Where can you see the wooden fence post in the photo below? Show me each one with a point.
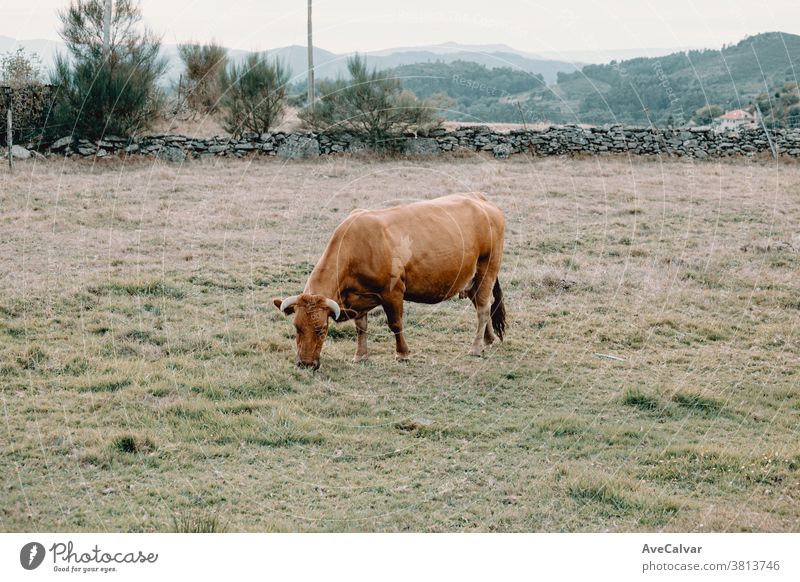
(10, 131)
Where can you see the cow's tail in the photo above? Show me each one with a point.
(498, 310)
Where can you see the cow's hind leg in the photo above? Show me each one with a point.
(361, 346)
(482, 307)
(394, 316)
(488, 335)
(482, 297)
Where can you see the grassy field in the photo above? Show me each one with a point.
(650, 379)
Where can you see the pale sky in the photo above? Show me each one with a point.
(348, 25)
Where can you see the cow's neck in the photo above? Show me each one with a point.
(323, 282)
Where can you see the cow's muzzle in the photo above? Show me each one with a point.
(313, 364)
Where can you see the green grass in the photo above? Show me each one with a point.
(697, 402)
(140, 288)
(111, 385)
(198, 524)
(637, 398)
(149, 384)
(131, 444)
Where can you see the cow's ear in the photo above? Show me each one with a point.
(346, 314)
(277, 302)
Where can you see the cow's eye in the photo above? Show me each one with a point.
(320, 332)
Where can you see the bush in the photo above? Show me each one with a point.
(22, 72)
(19, 69)
(371, 104)
(253, 94)
(113, 93)
(203, 64)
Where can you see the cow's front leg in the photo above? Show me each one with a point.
(394, 315)
(361, 346)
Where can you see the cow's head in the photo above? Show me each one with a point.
(311, 313)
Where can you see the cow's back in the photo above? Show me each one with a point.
(429, 249)
(434, 246)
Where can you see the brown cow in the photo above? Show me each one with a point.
(424, 252)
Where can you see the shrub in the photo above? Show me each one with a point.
(22, 72)
(19, 69)
(203, 64)
(371, 104)
(106, 92)
(253, 94)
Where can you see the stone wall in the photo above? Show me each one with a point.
(557, 140)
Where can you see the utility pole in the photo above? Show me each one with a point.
(107, 27)
(310, 61)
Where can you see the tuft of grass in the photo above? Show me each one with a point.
(271, 384)
(555, 284)
(608, 494)
(282, 431)
(232, 285)
(697, 402)
(16, 332)
(614, 498)
(342, 332)
(206, 523)
(145, 288)
(638, 399)
(693, 465)
(76, 367)
(33, 358)
(131, 444)
(143, 336)
(108, 385)
(703, 279)
(790, 303)
(560, 426)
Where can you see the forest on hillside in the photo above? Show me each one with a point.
(670, 90)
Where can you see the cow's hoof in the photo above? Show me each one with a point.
(402, 357)
(360, 358)
(476, 352)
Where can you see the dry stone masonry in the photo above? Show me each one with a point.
(554, 141)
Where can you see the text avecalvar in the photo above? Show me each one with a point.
(671, 549)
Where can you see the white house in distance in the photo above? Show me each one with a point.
(735, 119)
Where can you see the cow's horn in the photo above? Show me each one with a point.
(333, 307)
(288, 302)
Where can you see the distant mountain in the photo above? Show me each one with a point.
(452, 47)
(606, 56)
(330, 65)
(673, 87)
(548, 69)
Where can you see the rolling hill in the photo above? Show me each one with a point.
(645, 90)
